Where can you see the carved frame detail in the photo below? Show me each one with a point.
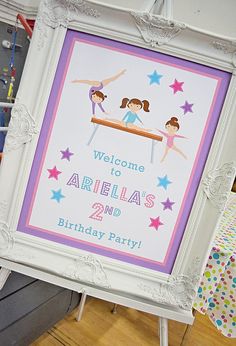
(178, 291)
(55, 13)
(87, 269)
(6, 238)
(224, 46)
(22, 128)
(157, 30)
(217, 184)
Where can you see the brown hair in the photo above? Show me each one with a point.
(126, 102)
(173, 122)
(99, 94)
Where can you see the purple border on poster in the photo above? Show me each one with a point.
(44, 135)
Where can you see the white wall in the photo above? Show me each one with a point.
(217, 16)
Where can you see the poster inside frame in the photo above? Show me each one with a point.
(124, 161)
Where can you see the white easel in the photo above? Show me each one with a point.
(4, 273)
(163, 312)
(163, 322)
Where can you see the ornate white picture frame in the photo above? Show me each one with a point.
(85, 182)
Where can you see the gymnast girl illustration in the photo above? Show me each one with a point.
(172, 126)
(96, 96)
(134, 105)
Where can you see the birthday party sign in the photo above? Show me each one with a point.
(118, 160)
(122, 148)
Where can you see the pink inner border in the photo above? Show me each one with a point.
(52, 124)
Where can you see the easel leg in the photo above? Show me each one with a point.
(81, 306)
(4, 273)
(187, 331)
(114, 309)
(93, 134)
(163, 331)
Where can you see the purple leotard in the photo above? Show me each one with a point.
(91, 91)
(170, 139)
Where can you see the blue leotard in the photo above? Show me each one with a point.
(130, 118)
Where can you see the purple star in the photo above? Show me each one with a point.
(187, 107)
(66, 154)
(167, 204)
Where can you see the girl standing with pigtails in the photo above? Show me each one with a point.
(135, 105)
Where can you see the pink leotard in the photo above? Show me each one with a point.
(170, 139)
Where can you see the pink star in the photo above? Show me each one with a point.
(176, 86)
(53, 173)
(156, 223)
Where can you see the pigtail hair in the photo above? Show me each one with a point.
(124, 102)
(145, 106)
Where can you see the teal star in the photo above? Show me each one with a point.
(155, 77)
(164, 182)
(57, 195)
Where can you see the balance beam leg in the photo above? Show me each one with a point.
(93, 134)
(152, 150)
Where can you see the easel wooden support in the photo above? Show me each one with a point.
(164, 313)
(4, 274)
(81, 306)
(163, 322)
(162, 330)
(163, 325)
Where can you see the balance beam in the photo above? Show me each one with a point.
(126, 129)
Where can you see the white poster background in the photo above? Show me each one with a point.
(72, 129)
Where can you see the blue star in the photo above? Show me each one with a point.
(155, 77)
(57, 195)
(164, 182)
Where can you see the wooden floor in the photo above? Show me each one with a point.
(128, 327)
